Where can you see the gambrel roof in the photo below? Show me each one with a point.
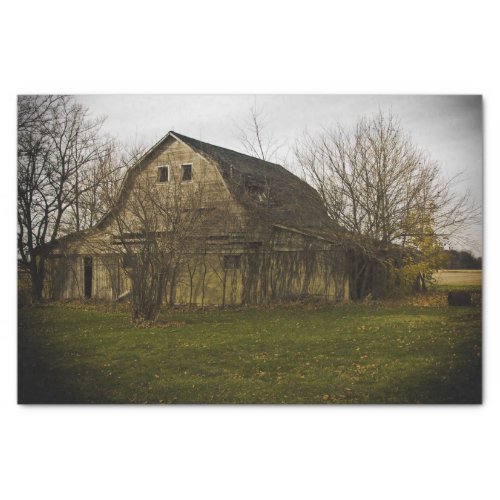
(271, 194)
(265, 188)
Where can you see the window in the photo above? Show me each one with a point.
(232, 261)
(187, 172)
(162, 173)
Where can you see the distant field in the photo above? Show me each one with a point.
(459, 277)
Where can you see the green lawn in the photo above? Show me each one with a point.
(413, 352)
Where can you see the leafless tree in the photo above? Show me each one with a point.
(154, 232)
(102, 181)
(57, 146)
(389, 195)
(375, 182)
(254, 135)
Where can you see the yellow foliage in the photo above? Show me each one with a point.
(425, 250)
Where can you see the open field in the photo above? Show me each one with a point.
(413, 351)
(458, 277)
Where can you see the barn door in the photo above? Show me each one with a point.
(87, 277)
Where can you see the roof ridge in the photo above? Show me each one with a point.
(182, 136)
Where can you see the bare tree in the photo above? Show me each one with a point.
(377, 184)
(154, 233)
(102, 181)
(255, 137)
(57, 145)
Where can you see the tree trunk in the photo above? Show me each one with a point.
(420, 285)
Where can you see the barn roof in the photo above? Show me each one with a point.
(271, 194)
(267, 189)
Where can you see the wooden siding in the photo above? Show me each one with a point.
(276, 264)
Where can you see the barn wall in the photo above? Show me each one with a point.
(204, 281)
(207, 189)
(63, 279)
(286, 266)
(263, 277)
(206, 176)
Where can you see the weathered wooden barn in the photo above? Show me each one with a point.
(260, 233)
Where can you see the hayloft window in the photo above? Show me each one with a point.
(162, 173)
(187, 172)
(232, 261)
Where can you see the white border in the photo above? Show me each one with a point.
(258, 452)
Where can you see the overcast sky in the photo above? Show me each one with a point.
(449, 128)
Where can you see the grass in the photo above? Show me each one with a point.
(416, 351)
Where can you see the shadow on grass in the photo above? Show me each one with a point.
(43, 382)
(81, 357)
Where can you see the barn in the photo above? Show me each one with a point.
(221, 227)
